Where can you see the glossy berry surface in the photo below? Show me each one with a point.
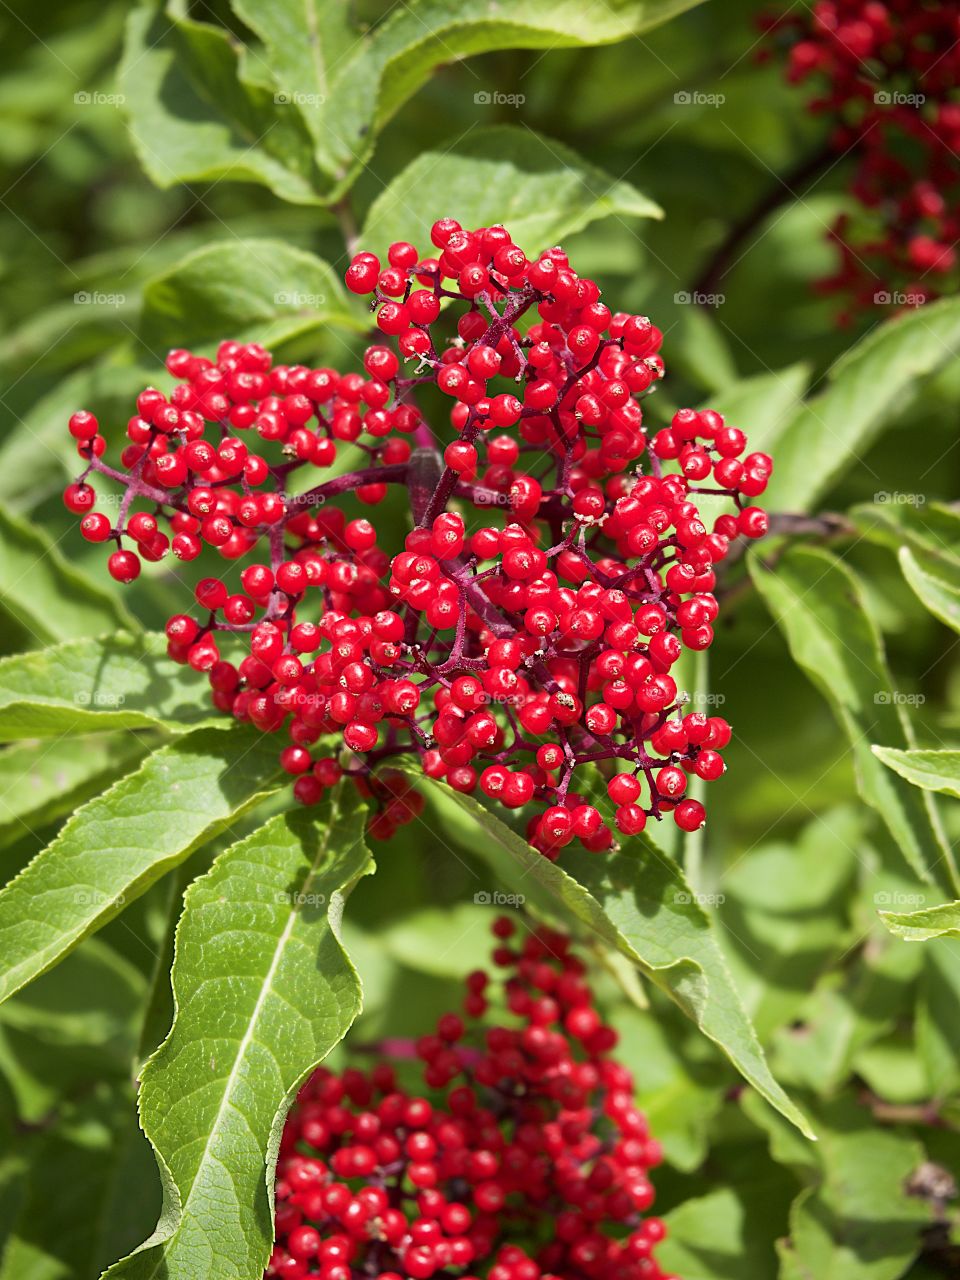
(884, 74)
(520, 642)
(520, 1155)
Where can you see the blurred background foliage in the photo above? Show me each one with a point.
(862, 1027)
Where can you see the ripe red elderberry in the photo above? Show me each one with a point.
(886, 73)
(522, 1157)
(521, 641)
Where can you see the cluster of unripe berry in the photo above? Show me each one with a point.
(887, 74)
(523, 1157)
(557, 564)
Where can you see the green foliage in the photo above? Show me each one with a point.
(263, 991)
(498, 175)
(792, 970)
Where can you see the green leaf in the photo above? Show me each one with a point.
(50, 598)
(89, 1193)
(784, 916)
(726, 1234)
(937, 1027)
(860, 1223)
(931, 770)
(195, 117)
(116, 846)
(83, 686)
(496, 175)
(42, 781)
(918, 926)
(936, 583)
(202, 108)
(933, 527)
(638, 902)
(828, 436)
(819, 606)
(763, 404)
(263, 991)
(37, 455)
(244, 289)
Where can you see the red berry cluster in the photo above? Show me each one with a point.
(889, 74)
(529, 1158)
(523, 636)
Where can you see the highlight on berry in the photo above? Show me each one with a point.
(520, 1151)
(523, 642)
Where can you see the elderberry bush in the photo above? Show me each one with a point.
(416, 574)
(505, 654)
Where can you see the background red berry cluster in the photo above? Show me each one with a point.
(523, 1153)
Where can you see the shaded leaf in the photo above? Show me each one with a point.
(829, 435)
(195, 117)
(246, 290)
(931, 770)
(497, 175)
(638, 902)
(933, 527)
(860, 1223)
(263, 991)
(42, 781)
(936, 583)
(117, 845)
(50, 598)
(83, 686)
(918, 926)
(819, 606)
